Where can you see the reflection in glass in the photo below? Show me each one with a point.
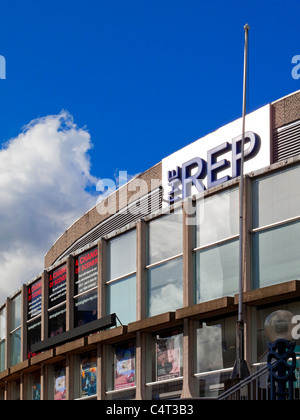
(261, 339)
(276, 197)
(15, 313)
(2, 324)
(86, 308)
(276, 255)
(122, 255)
(165, 237)
(216, 343)
(217, 271)
(121, 299)
(217, 217)
(2, 356)
(15, 347)
(34, 332)
(165, 287)
(57, 321)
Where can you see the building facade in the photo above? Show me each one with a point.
(139, 297)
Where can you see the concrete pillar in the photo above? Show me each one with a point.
(141, 275)
(102, 262)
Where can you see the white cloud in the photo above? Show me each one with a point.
(44, 176)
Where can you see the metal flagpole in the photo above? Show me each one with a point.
(240, 370)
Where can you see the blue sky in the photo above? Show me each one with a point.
(134, 81)
(144, 77)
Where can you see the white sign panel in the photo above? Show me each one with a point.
(215, 158)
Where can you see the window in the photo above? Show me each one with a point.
(15, 330)
(215, 354)
(217, 246)
(121, 277)
(57, 300)
(164, 364)
(165, 266)
(276, 228)
(259, 337)
(34, 308)
(34, 386)
(121, 375)
(2, 338)
(57, 382)
(86, 287)
(87, 374)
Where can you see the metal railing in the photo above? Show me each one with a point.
(257, 386)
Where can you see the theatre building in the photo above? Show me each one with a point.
(139, 297)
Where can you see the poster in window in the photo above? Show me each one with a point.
(88, 378)
(86, 271)
(168, 354)
(57, 286)
(60, 390)
(34, 298)
(36, 388)
(124, 366)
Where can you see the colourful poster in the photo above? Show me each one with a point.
(34, 299)
(124, 367)
(60, 388)
(168, 351)
(57, 286)
(88, 379)
(86, 271)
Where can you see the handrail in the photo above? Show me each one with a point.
(256, 375)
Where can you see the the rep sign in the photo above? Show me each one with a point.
(216, 158)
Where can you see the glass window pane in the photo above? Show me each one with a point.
(86, 271)
(15, 347)
(168, 356)
(124, 366)
(57, 321)
(165, 237)
(35, 382)
(165, 287)
(216, 345)
(33, 333)
(88, 371)
(217, 270)
(57, 286)
(59, 381)
(217, 217)
(2, 356)
(122, 255)
(86, 308)
(276, 197)
(3, 324)
(15, 313)
(276, 255)
(34, 298)
(262, 314)
(121, 299)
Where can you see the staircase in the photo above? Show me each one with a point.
(257, 387)
(254, 388)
